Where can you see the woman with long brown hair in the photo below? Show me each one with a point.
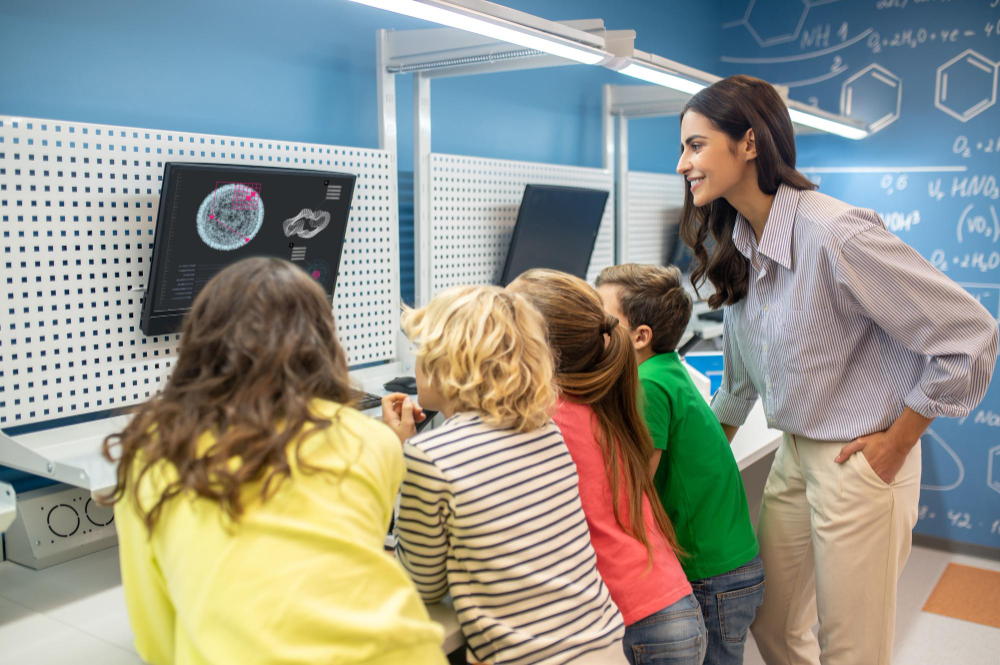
(854, 342)
(252, 502)
(599, 415)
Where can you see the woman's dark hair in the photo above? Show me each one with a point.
(733, 106)
(257, 346)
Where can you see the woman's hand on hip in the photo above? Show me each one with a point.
(885, 454)
(886, 451)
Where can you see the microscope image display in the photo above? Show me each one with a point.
(231, 215)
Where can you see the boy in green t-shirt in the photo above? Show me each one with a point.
(694, 470)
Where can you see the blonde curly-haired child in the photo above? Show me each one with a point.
(490, 507)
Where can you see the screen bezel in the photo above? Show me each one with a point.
(505, 278)
(153, 324)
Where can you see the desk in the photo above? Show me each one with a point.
(755, 440)
(707, 329)
(71, 452)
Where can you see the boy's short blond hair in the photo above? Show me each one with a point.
(486, 351)
(654, 296)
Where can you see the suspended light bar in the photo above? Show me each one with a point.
(669, 74)
(652, 68)
(810, 119)
(494, 21)
(660, 77)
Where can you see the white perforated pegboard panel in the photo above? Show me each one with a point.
(655, 202)
(78, 206)
(474, 206)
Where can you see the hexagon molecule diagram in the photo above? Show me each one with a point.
(874, 95)
(966, 85)
(993, 472)
(773, 22)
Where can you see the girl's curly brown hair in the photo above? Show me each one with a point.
(257, 346)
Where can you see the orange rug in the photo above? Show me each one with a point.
(967, 593)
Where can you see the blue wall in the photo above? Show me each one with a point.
(908, 40)
(304, 70)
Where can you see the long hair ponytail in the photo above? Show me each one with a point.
(605, 377)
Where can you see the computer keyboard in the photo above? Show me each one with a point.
(365, 400)
(712, 315)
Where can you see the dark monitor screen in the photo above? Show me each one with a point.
(212, 216)
(556, 228)
(683, 256)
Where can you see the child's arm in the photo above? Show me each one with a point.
(424, 515)
(658, 411)
(654, 461)
(402, 414)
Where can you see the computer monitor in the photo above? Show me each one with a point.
(213, 215)
(556, 228)
(683, 256)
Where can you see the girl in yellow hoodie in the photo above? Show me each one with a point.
(252, 501)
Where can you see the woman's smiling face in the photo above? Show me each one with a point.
(707, 162)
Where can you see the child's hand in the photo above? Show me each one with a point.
(401, 414)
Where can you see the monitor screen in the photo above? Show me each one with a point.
(556, 228)
(683, 256)
(212, 216)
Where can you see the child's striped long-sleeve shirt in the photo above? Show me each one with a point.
(494, 517)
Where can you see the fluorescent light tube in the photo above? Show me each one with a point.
(463, 21)
(825, 125)
(661, 77)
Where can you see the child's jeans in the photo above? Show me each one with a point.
(729, 602)
(675, 635)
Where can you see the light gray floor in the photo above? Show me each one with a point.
(931, 639)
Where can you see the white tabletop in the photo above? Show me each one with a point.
(755, 439)
(71, 453)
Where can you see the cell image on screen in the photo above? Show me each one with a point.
(212, 216)
(231, 215)
(318, 270)
(556, 228)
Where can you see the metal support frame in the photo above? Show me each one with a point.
(66, 450)
(8, 506)
(659, 100)
(388, 141)
(445, 52)
(620, 103)
(422, 178)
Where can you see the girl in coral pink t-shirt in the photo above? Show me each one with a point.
(606, 435)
